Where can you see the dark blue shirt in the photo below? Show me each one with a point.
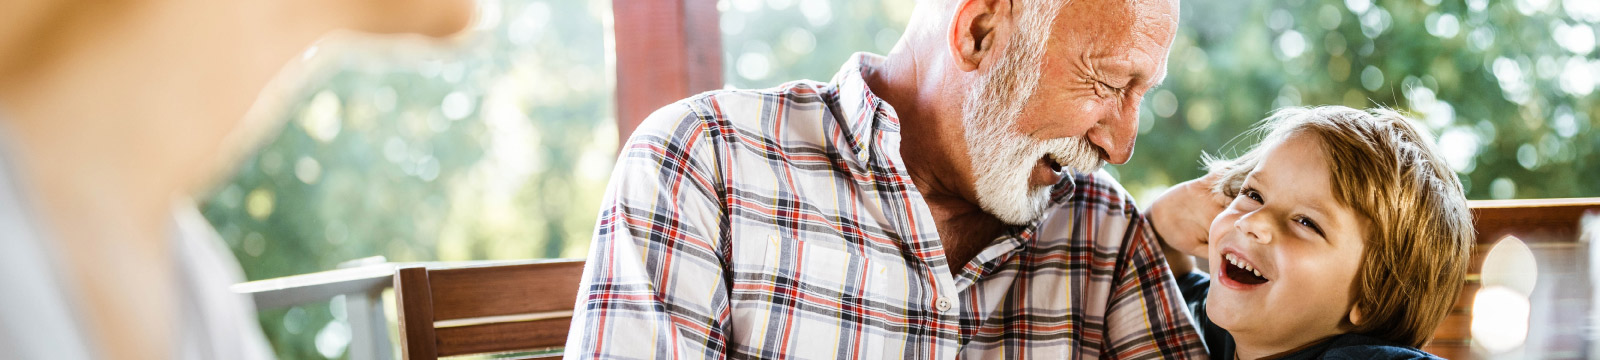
(1195, 285)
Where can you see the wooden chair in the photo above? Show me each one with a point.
(1550, 223)
(485, 309)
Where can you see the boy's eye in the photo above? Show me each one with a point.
(1251, 193)
(1306, 221)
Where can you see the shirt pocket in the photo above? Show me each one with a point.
(826, 272)
(795, 301)
(807, 270)
(829, 300)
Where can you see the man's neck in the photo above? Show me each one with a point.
(937, 171)
(964, 229)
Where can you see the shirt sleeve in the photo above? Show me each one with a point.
(653, 285)
(1147, 317)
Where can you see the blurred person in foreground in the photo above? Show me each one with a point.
(940, 202)
(112, 113)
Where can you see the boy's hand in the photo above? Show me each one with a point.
(1182, 215)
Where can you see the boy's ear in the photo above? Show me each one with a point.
(1355, 315)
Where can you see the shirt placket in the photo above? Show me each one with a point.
(940, 295)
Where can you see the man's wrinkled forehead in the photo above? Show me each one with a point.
(1138, 33)
(1154, 21)
(1162, 13)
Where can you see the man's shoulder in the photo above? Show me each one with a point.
(722, 124)
(1088, 209)
(738, 111)
(1097, 190)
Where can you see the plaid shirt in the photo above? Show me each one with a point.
(781, 223)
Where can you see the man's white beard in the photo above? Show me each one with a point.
(1002, 158)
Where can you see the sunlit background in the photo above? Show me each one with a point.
(499, 147)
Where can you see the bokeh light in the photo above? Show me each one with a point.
(1500, 309)
(1499, 319)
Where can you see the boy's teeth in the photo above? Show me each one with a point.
(1233, 259)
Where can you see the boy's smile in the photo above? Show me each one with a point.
(1239, 272)
(1285, 253)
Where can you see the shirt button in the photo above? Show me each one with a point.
(942, 305)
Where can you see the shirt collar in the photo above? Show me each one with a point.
(861, 110)
(1060, 193)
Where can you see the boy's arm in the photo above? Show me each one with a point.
(1180, 262)
(1181, 218)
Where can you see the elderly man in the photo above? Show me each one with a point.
(940, 202)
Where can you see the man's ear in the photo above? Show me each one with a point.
(1355, 316)
(974, 29)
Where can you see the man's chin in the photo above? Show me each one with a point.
(1091, 169)
(1023, 211)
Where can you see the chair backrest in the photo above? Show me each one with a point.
(1531, 221)
(485, 309)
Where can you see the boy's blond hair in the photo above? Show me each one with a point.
(1387, 171)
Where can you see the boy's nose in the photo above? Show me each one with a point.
(1254, 227)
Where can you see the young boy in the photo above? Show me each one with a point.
(1346, 237)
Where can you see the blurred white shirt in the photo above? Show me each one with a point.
(40, 317)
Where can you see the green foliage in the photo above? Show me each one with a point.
(766, 43)
(1489, 78)
(496, 146)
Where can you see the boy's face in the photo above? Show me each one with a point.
(1287, 226)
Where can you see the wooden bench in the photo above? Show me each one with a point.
(449, 309)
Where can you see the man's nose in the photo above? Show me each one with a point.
(1116, 133)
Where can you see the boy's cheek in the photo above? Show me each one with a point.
(1224, 311)
(1220, 226)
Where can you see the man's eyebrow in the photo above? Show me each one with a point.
(1138, 74)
